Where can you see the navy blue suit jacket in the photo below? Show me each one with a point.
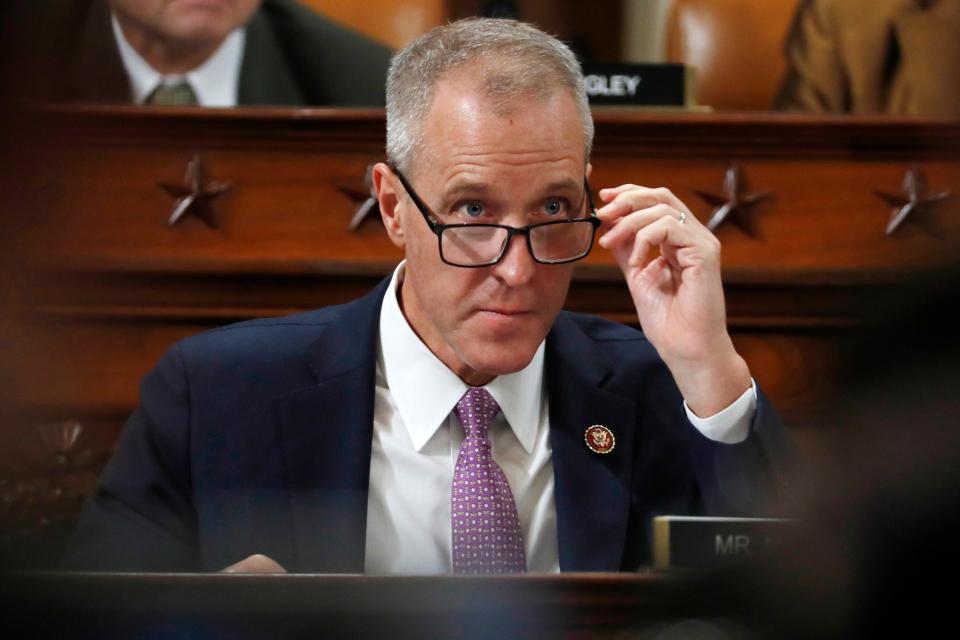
(256, 438)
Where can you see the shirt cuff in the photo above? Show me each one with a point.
(731, 425)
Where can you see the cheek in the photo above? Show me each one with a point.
(149, 13)
(452, 292)
(554, 286)
(422, 258)
(445, 292)
(245, 10)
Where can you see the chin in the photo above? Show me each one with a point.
(201, 33)
(500, 358)
(203, 24)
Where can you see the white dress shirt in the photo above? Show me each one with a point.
(416, 439)
(215, 82)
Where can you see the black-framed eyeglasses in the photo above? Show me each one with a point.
(482, 245)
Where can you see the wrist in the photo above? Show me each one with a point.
(710, 385)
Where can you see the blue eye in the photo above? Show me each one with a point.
(472, 209)
(555, 207)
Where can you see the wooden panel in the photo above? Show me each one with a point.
(822, 216)
(281, 207)
(105, 255)
(292, 193)
(47, 467)
(90, 366)
(296, 183)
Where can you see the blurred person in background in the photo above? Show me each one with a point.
(886, 56)
(214, 53)
(879, 510)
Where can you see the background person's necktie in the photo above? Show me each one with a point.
(486, 529)
(178, 94)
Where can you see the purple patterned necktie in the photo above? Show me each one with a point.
(486, 529)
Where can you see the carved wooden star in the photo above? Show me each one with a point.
(735, 203)
(365, 199)
(196, 196)
(914, 186)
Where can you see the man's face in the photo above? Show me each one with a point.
(186, 21)
(477, 166)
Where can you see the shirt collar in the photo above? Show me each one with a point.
(426, 391)
(215, 82)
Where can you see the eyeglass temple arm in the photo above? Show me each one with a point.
(420, 204)
(589, 192)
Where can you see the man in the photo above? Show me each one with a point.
(217, 53)
(455, 419)
(900, 57)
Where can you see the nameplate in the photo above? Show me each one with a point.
(646, 85)
(705, 543)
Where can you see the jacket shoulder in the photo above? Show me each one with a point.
(261, 329)
(602, 330)
(263, 340)
(622, 350)
(334, 64)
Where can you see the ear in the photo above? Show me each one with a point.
(386, 185)
(589, 170)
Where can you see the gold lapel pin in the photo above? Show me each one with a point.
(599, 439)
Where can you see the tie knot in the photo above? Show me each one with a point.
(476, 411)
(179, 93)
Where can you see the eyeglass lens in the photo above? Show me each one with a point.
(479, 244)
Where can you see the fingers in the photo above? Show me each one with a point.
(610, 193)
(628, 225)
(628, 198)
(641, 221)
(664, 231)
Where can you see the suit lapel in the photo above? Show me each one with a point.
(326, 432)
(592, 491)
(96, 73)
(265, 75)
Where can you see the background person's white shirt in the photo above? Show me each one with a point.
(216, 82)
(416, 439)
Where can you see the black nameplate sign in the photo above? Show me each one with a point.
(705, 543)
(648, 85)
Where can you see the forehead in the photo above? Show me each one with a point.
(467, 131)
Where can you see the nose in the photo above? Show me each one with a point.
(517, 266)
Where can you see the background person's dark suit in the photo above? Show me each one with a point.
(256, 438)
(292, 57)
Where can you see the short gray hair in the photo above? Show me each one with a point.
(515, 60)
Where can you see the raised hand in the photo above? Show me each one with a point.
(671, 263)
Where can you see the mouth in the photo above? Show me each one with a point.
(502, 321)
(205, 4)
(505, 313)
